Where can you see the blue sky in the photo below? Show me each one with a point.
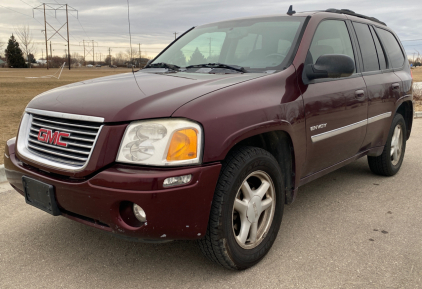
(154, 22)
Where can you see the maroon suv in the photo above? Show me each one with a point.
(213, 137)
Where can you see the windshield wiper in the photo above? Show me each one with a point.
(163, 65)
(219, 65)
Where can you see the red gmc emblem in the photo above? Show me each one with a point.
(47, 136)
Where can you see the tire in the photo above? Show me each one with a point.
(388, 164)
(246, 174)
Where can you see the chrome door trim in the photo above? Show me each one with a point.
(65, 115)
(334, 132)
(379, 117)
(331, 133)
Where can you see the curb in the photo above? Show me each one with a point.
(418, 114)
(2, 174)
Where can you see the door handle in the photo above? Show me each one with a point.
(395, 86)
(359, 93)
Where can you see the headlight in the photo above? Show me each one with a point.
(162, 142)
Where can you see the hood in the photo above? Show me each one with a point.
(120, 98)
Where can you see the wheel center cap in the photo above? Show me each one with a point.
(254, 209)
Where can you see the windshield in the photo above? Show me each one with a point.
(257, 44)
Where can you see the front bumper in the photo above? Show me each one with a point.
(98, 200)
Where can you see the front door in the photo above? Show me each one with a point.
(335, 108)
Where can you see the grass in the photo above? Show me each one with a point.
(417, 77)
(417, 74)
(16, 91)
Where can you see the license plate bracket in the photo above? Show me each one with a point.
(40, 195)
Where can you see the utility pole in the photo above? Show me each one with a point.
(51, 51)
(84, 53)
(46, 45)
(93, 52)
(140, 55)
(56, 6)
(109, 54)
(175, 33)
(68, 46)
(209, 54)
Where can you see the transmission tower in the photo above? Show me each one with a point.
(55, 8)
(89, 49)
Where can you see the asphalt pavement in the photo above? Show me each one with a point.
(349, 229)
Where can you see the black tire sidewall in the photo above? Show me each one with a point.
(244, 258)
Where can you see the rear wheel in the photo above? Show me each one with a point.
(391, 159)
(247, 209)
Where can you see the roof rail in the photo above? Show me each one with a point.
(352, 13)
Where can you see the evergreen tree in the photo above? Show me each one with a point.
(197, 58)
(179, 59)
(14, 54)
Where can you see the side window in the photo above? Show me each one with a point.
(367, 47)
(381, 56)
(331, 37)
(393, 48)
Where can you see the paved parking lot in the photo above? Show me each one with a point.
(349, 229)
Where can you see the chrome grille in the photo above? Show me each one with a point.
(80, 143)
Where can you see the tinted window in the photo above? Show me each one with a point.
(257, 44)
(367, 47)
(331, 37)
(380, 51)
(392, 47)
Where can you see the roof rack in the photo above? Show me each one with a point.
(352, 13)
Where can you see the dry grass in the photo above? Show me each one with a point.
(16, 91)
(417, 74)
(417, 93)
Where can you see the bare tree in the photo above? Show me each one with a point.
(131, 53)
(1, 47)
(27, 44)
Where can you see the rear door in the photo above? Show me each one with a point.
(383, 85)
(335, 108)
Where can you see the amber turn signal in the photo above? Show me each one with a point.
(183, 145)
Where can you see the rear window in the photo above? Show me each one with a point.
(380, 51)
(393, 48)
(367, 47)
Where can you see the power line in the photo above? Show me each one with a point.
(20, 13)
(80, 25)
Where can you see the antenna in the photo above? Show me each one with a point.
(291, 11)
(130, 38)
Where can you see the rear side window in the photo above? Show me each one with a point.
(367, 47)
(380, 51)
(393, 48)
(331, 37)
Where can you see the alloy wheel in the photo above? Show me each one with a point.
(253, 209)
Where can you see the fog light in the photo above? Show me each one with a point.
(139, 213)
(174, 181)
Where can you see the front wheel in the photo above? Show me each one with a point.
(391, 159)
(247, 209)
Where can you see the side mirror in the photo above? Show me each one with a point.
(330, 66)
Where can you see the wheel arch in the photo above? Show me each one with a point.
(279, 143)
(406, 110)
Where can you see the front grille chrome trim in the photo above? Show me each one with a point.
(56, 153)
(66, 123)
(73, 158)
(58, 148)
(62, 129)
(65, 115)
